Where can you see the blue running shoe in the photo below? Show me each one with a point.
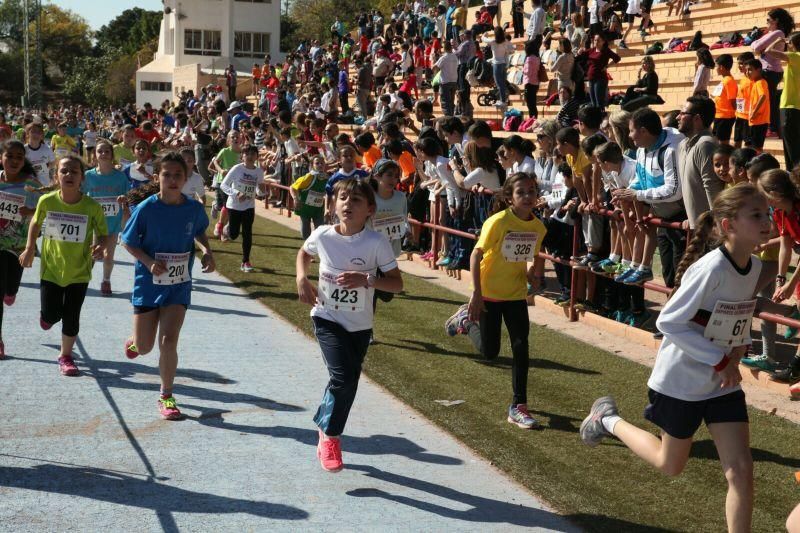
(639, 277)
(625, 275)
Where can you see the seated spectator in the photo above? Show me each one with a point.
(568, 113)
(645, 92)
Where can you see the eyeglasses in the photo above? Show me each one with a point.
(686, 113)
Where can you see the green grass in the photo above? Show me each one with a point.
(602, 489)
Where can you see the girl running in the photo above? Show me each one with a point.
(140, 172)
(39, 153)
(16, 207)
(161, 235)
(706, 327)
(349, 256)
(225, 160)
(68, 220)
(240, 186)
(108, 187)
(509, 240)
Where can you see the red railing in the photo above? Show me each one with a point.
(289, 203)
(439, 231)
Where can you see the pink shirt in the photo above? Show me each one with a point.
(530, 70)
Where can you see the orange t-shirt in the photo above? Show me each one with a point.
(757, 90)
(256, 73)
(371, 156)
(723, 94)
(743, 98)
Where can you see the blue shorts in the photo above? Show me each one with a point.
(151, 296)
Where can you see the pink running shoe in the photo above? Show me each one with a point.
(67, 366)
(44, 325)
(9, 299)
(329, 452)
(427, 256)
(130, 349)
(105, 288)
(169, 408)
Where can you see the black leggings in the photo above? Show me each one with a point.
(515, 315)
(10, 277)
(63, 303)
(530, 99)
(242, 220)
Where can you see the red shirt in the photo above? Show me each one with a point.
(598, 61)
(364, 42)
(148, 136)
(788, 223)
(409, 85)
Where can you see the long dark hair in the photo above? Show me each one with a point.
(783, 18)
(27, 167)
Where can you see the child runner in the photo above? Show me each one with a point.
(161, 235)
(509, 240)
(68, 221)
(758, 119)
(706, 326)
(347, 169)
(240, 185)
(140, 172)
(225, 160)
(16, 207)
(90, 142)
(61, 143)
(39, 153)
(391, 213)
(195, 187)
(350, 256)
(741, 131)
(123, 152)
(108, 187)
(308, 193)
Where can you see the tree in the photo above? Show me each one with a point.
(120, 83)
(129, 31)
(290, 37)
(85, 80)
(65, 36)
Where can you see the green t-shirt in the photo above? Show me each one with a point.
(790, 98)
(123, 155)
(67, 234)
(227, 159)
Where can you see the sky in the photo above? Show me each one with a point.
(100, 12)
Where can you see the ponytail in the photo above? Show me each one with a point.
(698, 246)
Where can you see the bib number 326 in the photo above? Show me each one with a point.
(66, 227)
(336, 298)
(177, 269)
(520, 246)
(729, 324)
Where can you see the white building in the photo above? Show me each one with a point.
(200, 38)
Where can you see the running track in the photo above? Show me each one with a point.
(90, 453)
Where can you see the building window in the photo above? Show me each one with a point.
(247, 44)
(202, 42)
(158, 86)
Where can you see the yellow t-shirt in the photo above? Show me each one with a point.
(63, 146)
(123, 155)
(790, 97)
(503, 235)
(577, 163)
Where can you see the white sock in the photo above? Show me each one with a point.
(634, 266)
(609, 422)
(644, 268)
(615, 257)
(626, 263)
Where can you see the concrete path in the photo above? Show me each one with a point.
(91, 453)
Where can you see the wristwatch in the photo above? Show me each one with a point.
(780, 280)
(371, 278)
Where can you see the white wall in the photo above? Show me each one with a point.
(154, 97)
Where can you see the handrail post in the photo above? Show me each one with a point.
(435, 232)
(573, 315)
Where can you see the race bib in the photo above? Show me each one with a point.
(109, 205)
(315, 199)
(393, 227)
(40, 168)
(67, 227)
(740, 105)
(336, 298)
(10, 205)
(558, 191)
(520, 246)
(177, 269)
(717, 91)
(247, 187)
(729, 324)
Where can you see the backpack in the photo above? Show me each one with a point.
(655, 48)
(494, 125)
(529, 124)
(731, 37)
(512, 122)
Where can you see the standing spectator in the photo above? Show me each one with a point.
(448, 20)
(779, 24)
(724, 100)
(634, 10)
(597, 59)
(699, 182)
(447, 66)
(231, 82)
(343, 86)
(465, 52)
(493, 7)
(790, 98)
(530, 74)
(537, 22)
(460, 17)
(517, 17)
(704, 66)
(563, 65)
(364, 84)
(501, 50)
(597, 10)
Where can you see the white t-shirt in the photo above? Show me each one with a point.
(480, 176)
(634, 7)
(194, 188)
(241, 179)
(138, 175)
(621, 179)
(448, 64)
(595, 9)
(394, 207)
(366, 251)
(40, 158)
(528, 166)
(91, 138)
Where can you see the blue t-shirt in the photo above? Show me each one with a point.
(105, 188)
(158, 228)
(339, 176)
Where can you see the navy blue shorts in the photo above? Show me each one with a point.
(681, 419)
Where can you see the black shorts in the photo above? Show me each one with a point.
(142, 309)
(418, 204)
(681, 419)
(630, 18)
(723, 127)
(492, 10)
(741, 130)
(758, 134)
